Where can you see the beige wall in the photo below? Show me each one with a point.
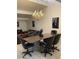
(24, 12)
(53, 10)
(25, 25)
(29, 22)
(22, 25)
(29, 26)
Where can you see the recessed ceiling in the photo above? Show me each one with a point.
(24, 16)
(28, 5)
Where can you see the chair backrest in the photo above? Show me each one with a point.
(56, 39)
(19, 31)
(53, 32)
(48, 42)
(40, 33)
(22, 42)
(18, 40)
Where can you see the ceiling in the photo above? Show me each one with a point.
(24, 15)
(28, 5)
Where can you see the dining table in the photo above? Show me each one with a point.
(36, 38)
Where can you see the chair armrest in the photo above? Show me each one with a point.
(43, 43)
(26, 42)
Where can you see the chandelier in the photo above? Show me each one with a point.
(37, 14)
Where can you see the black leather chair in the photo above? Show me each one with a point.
(47, 45)
(40, 33)
(53, 32)
(27, 46)
(55, 41)
(18, 41)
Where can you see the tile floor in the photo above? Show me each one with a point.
(37, 54)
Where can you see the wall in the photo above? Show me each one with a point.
(29, 22)
(25, 25)
(24, 12)
(53, 10)
(22, 25)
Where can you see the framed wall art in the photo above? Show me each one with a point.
(55, 22)
(33, 23)
(17, 24)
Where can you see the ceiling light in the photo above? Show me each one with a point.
(37, 14)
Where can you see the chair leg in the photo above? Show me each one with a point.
(45, 54)
(23, 52)
(24, 55)
(50, 53)
(53, 50)
(56, 49)
(27, 52)
(30, 54)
